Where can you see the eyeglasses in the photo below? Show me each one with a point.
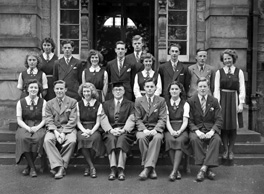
(118, 89)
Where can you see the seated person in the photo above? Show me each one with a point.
(89, 138)
(205, 124)
(30, 133)
(176, 138)
(151, 115)
(118, 124)
(61, 117)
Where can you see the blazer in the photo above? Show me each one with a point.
(131, 59)
(125, 77)
(126, 118)
(62, 119)
(212, 119)
(153, 119)
(71, 74)
(167, 75)
(195, 74)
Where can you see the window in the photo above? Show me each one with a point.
(178, 26)
(69, 24)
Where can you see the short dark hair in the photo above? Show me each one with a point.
(94, 52)
(150, 80)
(147, 56)
(137, 37)
(34, 81)
(175, 45)
(230, 52)
(120, 42)
(48, 40)
(89, 86)
(203, 79)
(60, 82)
(199, 50)
(63, 42)
(182, 94)
(36, 55)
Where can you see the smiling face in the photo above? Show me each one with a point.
(118, 92)
(47, 47)
(147, 63)
(150, 88)
(60, 90)
(227, 60)
(32, 61)
(120, 50)
(87, 94)
(33, 89)
(203, 88)
(67, 50)
(175, 91)
(174, 53)
(94, 60)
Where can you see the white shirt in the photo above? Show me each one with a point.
(136, 87)
(242, 89)
(28, 101)
(172, 63)
(65, 58)
(50, 56)
(120, 100)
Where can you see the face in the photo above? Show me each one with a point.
(33, 89)
(150, 88)
(203, 88)
(137, 45)
(174, 53)
(87, 93)
(47, 47)
(228, 60)
(60, 90)
(67, 50)
(175, 91)
(201, 57)
(147, 63)
(32, 61)
(120, 50)
(94, 59)
(118, 92)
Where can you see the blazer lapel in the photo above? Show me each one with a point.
(115, 66)
(64, 105)
(125, 68)
(177, 71)
(169, 69)
(63, 65)
(144, 103)
(154, 105)
(196, 71)
(56, 105)
(198, 105)
(209, 103)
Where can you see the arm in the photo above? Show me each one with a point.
(70, 126)
(162, 117)
(44, 84)
(192, 124)
(105, 124)
(187, 79)
(242, 91)
(97, 124)
(136, 87)
(49, 117)
(83, 77)
(130, 122)
(159, 87)
(217, 85)
(80, 70)
(20, 82)
(42, 123)
(139, 117)
(212, 80)
(217, 118)
(105, 88)
(79, 124)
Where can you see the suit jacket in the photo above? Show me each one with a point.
(195, 74)
(167, 75)
(126, 118)
(62, 119)
(212, 119)
(131, 59)
(71, 74)
(153, 119)
(125, 77)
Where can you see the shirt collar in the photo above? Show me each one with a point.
(67, 58)
(174, 62)
(91, 102)
(62, 100)
(177, 101)
(144, 72)
(92, 69)
(28, 100)
(199, 66)
(50, 56)
(120, 100)
(152, 98)
(35, 70)
(200, 97)
(135, 52)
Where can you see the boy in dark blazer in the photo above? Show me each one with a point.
(69, 69)
(174, 70)
(205, 124)
(151, 114)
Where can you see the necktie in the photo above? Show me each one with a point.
(149, 104)
(48, 57)
(32, 104)
(31, 71)
(174, 66)
(202, 69)
(137, 56)
(117, 109)
(174, 105)
(60, 103)
(203, 104)
(147, 74)
(120, 65)
(229, 70)
(67, 60)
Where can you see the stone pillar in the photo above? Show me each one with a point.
(162, 22)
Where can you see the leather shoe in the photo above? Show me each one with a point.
(60, 173)
(86, 172)
(121, 175)
(172, 176)
(210, 174)
(225, 155)
(231, 156)
(33, 173)
(144, 174)
(93, 172)
(178, 175)
(25, 172)
(200, 176)
(153, 174)
(112, 174)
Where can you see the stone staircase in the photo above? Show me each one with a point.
(249, 150)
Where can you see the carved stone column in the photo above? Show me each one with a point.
(162, 21)
(85, 36)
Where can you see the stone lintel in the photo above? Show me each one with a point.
(235, 43)
(19, 42)
(20, 9)
(227, 11)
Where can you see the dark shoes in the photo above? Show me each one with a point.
(174, 175)
(231, 156)
(30, 171)
(121, 175)
(200, 176)
(112, 175)
(61, 172)
(33, 173)
(86, 172)
(90, 172)
(153, 174)
(225, 155)
(144, 174)
(208, 174)
(26, 171)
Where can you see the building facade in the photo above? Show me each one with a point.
(208, 24)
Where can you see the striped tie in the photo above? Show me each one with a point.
(203, 104)
(117, 110)
(149, 104)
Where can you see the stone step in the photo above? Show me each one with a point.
(6, 135)
(7, 147)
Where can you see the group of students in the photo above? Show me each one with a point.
(93, 107)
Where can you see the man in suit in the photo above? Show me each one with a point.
(205, 124)
(69, 69)
(119, 70)
(61, 119)
(118, 124)
(174, 70)
(150, 113)
(198, 70)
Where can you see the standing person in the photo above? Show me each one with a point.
(230, 92)
(176, 136)
(205, 125)
(148, 60)
(61, 120)
(30, 133)
(48, 58)
(118, 124)
(198, 70)
(32, 63)
(69, 69)
(95, 74)
(174, 70)
(150, 112)
(119, 70)
(89, 111)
